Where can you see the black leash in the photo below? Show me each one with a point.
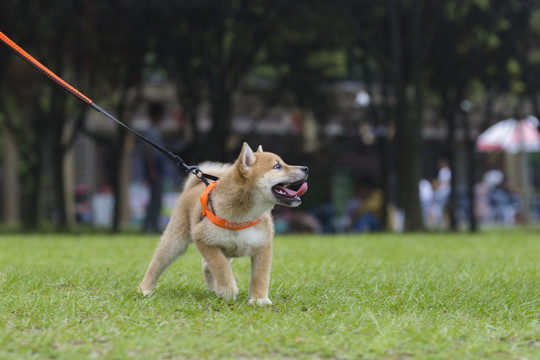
(195, 170)
(59, 81)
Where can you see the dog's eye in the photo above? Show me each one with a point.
(277, 166)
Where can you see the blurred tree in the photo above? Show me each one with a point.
(296, 70)
(304, 56)
(522, 39)
(14, 91)
(457, 62)
(474, 44)
(393, 33)
(118, 64)
(36, 112)
(21, 118)
(87, 46)
(211, 46)
(474, 49)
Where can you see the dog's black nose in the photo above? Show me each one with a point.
(305, 169)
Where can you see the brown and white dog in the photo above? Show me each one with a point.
(242, 224)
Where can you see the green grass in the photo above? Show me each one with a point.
(347, 297)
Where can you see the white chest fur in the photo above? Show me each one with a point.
(236, 243)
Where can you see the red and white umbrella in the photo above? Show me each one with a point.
(515, 137)
(511, 135)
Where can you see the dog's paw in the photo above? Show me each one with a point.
(260, 302)
(211, 287)
(144, 292)
(227, 293)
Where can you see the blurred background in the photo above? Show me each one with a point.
(383, 100)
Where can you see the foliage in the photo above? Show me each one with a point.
(420, 53)
(377, 296)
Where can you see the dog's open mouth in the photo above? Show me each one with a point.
(289, 196)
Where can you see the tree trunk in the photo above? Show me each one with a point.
(116, 180)
(30, 196)
(449, 115)
(131, 79)
(189, 99)
(408, 146)
(56, 119)
(30, 177)
(415, 124)
(381, 144)
(59, 185)
(221, 128)
(471, 173)
(118, 145)
(29, 146)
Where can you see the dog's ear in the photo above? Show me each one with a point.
(259, 149)
(247, 158)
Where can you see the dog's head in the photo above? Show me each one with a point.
(271, 176)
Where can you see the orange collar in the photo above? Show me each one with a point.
(216, 219)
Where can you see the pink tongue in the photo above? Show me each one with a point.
(293, 193)
(302, 189)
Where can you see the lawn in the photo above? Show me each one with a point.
(435, 296)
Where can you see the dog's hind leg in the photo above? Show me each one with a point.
(169, 249)
(208, 277)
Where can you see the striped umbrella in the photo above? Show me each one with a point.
(515, 137)
(511, 135)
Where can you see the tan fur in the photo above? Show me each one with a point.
(243, 194)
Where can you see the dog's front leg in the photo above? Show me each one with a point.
(261, 262)
(221, 277)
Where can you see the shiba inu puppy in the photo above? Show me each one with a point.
(235, 222)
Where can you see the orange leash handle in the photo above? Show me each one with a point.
(43, 68)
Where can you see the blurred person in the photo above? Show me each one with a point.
(154, 167)
(493, 178)
(481, 201)
(483, 190)
(287, 221)
(306, 223)
(505, 204)
(426, 197)
(324, 213)
(365, 211)
(441, 192)
(535, 207)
